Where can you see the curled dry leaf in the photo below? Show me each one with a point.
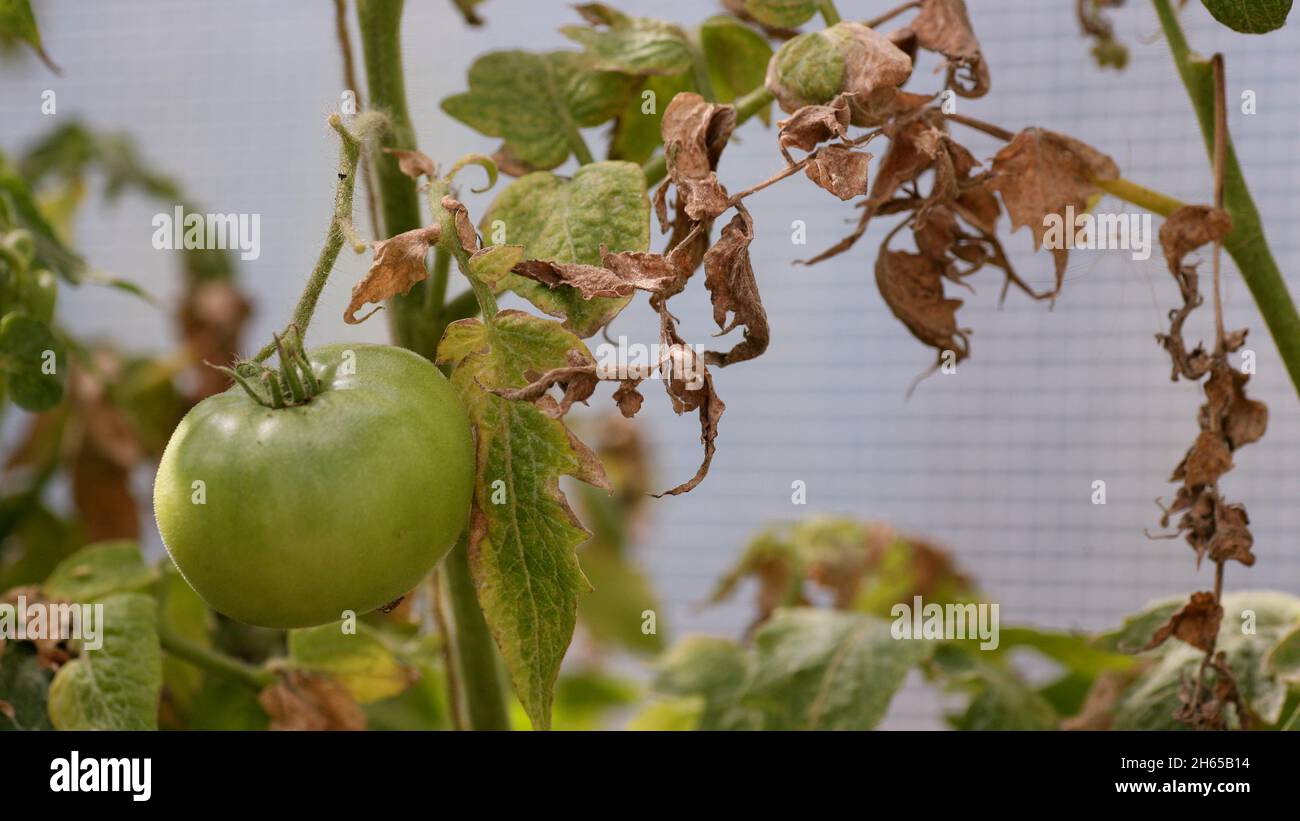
(1196, 623)
(628, 398)
(414, 164)
(464, 228)
(1041, 172)
(596, 281)
(846, 58)
(307, 701)
(51, 654)
(398, 264)
(694, 132)
(694, 395)
(1184, 231)
(813, 124)
(943, 26)
(912, 287)
(729, 277)
(839, 170)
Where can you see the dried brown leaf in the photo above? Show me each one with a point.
(943, 26)
(464, 227)
(306, 701)
(912, 287)
(812, 125)
(398, 264)
(1196, 623)
(694, 133)
(414, 164)
(839, 170)
(729, 277)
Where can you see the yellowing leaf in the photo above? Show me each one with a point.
(523, 534)
(359, 661)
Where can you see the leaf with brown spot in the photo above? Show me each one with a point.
(812, 125)
(912, 287)
(839, 170)
(943, 26)
(306, 701)
(729, 277)
(398, 264)
(414, 164)
(1196, 623)
(1041, 172)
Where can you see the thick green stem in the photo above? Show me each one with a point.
(381, 45)
(1141, 196)
(829, 13)
(1245, 244)
(213, 661)
(418, 325)
(340, 230)
(481, 678)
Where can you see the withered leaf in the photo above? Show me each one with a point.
(839, 170)
(628, 398)
(694, 133)
(595, 281)
(578, 380)
(1190, 227)
(1207, 460)
(1232, 539)
(1196, 623)
(912, 287)
(212, 318)
(398, 264)
(464, 228)
(696, 394)
(943, 26)
(729, 277)
(1041, 172)
(413, 164)
(306, 701)
(813, 124)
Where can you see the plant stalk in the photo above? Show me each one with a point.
(481, 685)
(214, 661)
(1245, 243)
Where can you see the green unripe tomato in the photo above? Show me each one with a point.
(288, 517)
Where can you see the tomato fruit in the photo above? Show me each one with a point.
(287, 517)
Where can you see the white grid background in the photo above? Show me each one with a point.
(996, 461)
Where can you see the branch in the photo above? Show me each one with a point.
(213, 661)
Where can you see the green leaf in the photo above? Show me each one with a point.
(637, 130)
(360, 661)
(534, 101)
(523, 541)
(18, 23)
(737, 57)
(621, 593)
(809, 69)
(186, 615)
(117, 686)
(568, 220)
(1075, 653)
(23, 686)
(1000, 699)
(1285, 657)
(667, 715)
(33, 362)
(634, 45)
(1249, 16)
(785, 14)
(827, 670)
(100, 570)
(713, 670)
(51, 253)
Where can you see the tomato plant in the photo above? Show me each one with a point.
(397, 520)
(279, 533)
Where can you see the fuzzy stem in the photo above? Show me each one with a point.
(380, 25)
(340, 229)
(1245, 243)
(212, 660)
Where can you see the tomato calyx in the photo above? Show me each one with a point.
(294, 383)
